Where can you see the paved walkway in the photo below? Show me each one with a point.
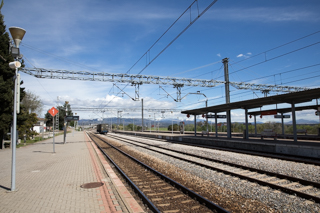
(50, 182)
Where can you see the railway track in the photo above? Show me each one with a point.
(159, 193)
(291, 185)
(313, 161)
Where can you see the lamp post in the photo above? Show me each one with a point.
(17, 35)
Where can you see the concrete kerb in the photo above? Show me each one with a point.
(125, 196)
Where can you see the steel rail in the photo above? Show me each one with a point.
(274, 186)
(185, 190)
(316, 184)
(136, 189)
(297, 159)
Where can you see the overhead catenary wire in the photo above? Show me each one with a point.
(293, 70)
(277, 56)
(38, 80)
(168, 45)
(282, 45)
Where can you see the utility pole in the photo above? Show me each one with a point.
(227, 92)
(207, 117)
(142, 114)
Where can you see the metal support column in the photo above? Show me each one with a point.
(294, 123)
(255, 125)
(227, 92)
(282, 123)
(195, 125)
(247, 126)
(142, 114)
(207, 118)
(216, 123)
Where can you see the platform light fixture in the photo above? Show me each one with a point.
(17, 35)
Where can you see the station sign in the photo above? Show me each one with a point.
(53, 111)
(218, 116)
(279, 116)
(71, 118)
(270, 112)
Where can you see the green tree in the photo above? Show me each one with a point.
(32, 102)
(25, 119)
(6, 81)
(139, 128)
(175, 127)
(131, 127)
(189, 127)
(64, 110)
(25, 122)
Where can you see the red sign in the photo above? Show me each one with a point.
(53, 111)
(270, 112)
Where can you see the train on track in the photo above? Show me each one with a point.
(102, 128)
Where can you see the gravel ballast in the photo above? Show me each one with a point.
(232, 186)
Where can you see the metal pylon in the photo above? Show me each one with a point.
(178, 86)
(136, 85)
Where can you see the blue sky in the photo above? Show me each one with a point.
(110, 36)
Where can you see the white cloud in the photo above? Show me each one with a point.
(266, 14)
(219, 55)
(244, 55)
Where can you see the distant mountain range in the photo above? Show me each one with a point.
(167, 122)
(303, 121)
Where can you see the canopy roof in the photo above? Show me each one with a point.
(294, 97)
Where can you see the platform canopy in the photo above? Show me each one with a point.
(290, 98)
(284, 110)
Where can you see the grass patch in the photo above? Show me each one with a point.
(37, 139)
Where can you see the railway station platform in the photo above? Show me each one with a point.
(65, 181)
(302, 148)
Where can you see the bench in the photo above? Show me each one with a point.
(268, 133)
(302, 131)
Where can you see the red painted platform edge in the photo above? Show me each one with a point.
(130, 201)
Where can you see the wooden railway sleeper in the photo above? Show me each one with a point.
(270, 184)
(196, 197)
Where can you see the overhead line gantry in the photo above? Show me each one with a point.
(138, 79)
